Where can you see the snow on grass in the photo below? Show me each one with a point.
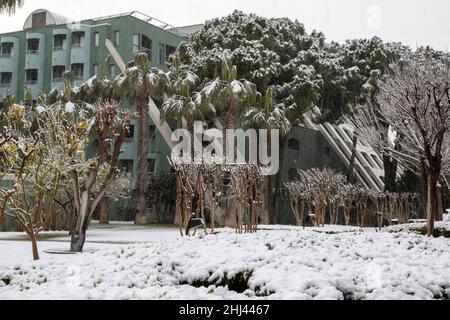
(277, 264)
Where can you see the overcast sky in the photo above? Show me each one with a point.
(413, 22)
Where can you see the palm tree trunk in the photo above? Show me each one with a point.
(142, 102)
(278, 182)
(351, 169)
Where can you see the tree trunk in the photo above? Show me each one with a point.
(78, 237)
(34, 247)
(77, 241)
(390, 173)
(104, 214)
(432, 201)
(351, 169)
(142, 170)
(278, 181)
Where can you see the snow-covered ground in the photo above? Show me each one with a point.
(275, 263)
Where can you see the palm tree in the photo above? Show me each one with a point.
(185, 102)
(142, 83)
(10, 6)
(231, 96)
(267, 115)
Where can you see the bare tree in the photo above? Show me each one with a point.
(414, 100)
(113, 126)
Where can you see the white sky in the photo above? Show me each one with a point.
(413, 22)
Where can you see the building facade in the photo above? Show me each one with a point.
(33, 60)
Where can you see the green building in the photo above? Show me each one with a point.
(34, 59)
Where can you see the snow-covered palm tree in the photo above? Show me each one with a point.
(185, 102)
(142, 83)
(231, 96)
(10, 6)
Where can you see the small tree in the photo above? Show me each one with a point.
(87, 173)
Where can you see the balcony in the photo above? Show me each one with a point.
(9, 65)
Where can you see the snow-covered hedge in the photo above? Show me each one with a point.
(442, 228)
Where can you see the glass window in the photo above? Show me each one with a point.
(33, 46)
(7, 49)
(152, 131)
(5, 79)
(117, 38)
(170, 51)
(96, 39)
(294, 145)
(59, 42)
(78, 39)
(130, 135)
(112, 70)
(151, 165)
(78, 71)
(146, 46)
(126, 166)
(32, 76)
(136, 38)
(162, 54)
(58, 73)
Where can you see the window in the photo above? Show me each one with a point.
(39, 19)
(58, 73)
(136, 38)
(59, 42)
(146, 46)
(126, 166)
(151, 165)
(7, 49)
(5, 79)
(33, 46)
(96, 39)
(117, 38)
(152, 131)
(95, 69)
(78, 71)
(31, 76)
(162, 54)
(294, 145)
(112, 70)
(292, 174)
(130, 135)
(78, 39)
(170, 51)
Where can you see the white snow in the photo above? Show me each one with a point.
(70, 107)
(278, 262)
(40, 109)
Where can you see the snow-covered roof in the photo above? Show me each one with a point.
(51, 18)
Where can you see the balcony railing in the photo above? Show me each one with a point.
(78, 78)
(58, 48)
(77, 46)
(58, 79)
(31, 82)
(32, 51)
(6, 55)
(5, 85)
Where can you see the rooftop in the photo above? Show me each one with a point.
(43, 17)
